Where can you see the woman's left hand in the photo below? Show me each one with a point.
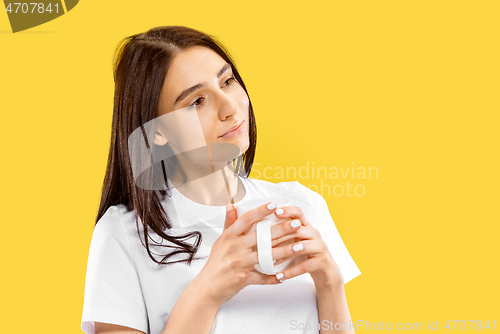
(319, 264)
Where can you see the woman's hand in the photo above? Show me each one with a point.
(319, 264)
(229, 267)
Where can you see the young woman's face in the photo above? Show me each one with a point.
(200, 78)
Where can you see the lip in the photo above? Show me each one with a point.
(234, 131)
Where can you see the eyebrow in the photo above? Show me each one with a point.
(200, 85)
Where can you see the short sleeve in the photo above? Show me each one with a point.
(324, 224)
(112, 288)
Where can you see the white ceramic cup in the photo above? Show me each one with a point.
(264, 241)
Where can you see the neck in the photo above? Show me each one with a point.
(215, 189)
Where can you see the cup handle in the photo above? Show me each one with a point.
(264, 246)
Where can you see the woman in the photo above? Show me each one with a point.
(179, 90)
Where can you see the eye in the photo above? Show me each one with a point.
(229, 81)
(198, 102)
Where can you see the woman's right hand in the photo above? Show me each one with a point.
(229, 267)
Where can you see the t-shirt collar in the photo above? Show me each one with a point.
(189, 213)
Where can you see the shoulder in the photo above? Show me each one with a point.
(115, 223)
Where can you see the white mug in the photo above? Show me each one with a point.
(264, 241)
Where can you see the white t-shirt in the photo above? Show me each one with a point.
(124, 286)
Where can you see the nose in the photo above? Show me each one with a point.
(228, 106)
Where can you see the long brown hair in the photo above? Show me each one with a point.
(140, 64)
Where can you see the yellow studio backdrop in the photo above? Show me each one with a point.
(406, 91)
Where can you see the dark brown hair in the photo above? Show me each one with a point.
(140, 64)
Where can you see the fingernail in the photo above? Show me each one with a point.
(298, 247)
(279, 276)
(274, 261)
(280, 211)
(295, 223)
(271, 205)
(228, 207)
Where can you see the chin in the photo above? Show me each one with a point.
(244, 148)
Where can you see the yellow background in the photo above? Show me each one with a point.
(411, 88)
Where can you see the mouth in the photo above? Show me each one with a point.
(233, 132)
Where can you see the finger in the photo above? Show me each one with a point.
(253, 259)
(297, 258)
(287, 252)
(300, 233)
(255, 278)
(277, 231)
(309, 247)
(293, 212)
(303, 267)
(245, 222)
(230, 215)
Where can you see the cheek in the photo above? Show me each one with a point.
(241, 98)
(244, 101)
(208, 125)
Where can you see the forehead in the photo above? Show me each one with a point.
(189, 67)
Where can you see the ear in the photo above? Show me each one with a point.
(160, 139)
